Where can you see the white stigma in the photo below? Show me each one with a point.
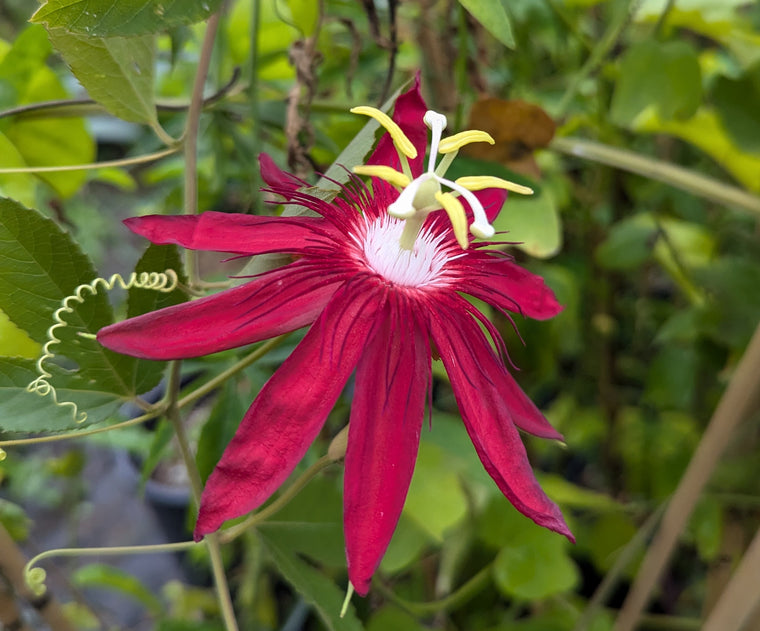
(418, 267)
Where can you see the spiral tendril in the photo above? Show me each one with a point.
(35, 578)
(164, 282)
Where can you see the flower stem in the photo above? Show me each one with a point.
(214, 383)
(196, 486)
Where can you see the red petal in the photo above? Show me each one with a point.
(276, 177)
(408, 113)
(487, 419)
(279, 301)
(232, 232)
(392, 381)
(290, 410)
(506, 285)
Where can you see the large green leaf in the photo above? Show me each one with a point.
(706, 131)
(117, 72)
(533, 562)
(23, 411)
(314, 586)
(665, 76)
(492, 14)
(108, 18)
(40, 266)
(533, 222)
(736, 103)
(436, 500)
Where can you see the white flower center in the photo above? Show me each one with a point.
(423, 265)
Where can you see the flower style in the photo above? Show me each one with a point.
(378, 275)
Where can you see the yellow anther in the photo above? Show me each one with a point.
(388, 174)
(403, 144)
(479, 182)
(457, 141)
(457, 217)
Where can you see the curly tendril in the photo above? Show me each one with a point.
(165, 282)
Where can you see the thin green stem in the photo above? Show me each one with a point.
(456, 599)
(598, 54)
(148, 157)
(214, 383)
(83, 107)
(190, 206)
(679, 177)
(144, 418)
(294, 489)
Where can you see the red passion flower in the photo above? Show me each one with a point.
(378, 275)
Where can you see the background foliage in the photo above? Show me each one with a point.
(636, 123)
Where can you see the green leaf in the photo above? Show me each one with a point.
(391, 617)
(733, 309)
(533, 222)
(40, 266)
(305, 15)
(21, 186)
(49, 141)
(665, 76)
(117, 72)
(156, 259)
(107, 18)
(735, 102)
(23, 411)
(408, 543)
(101, 576)
(436, 501)
(28, 53)
(312, 524)
(655, 449)
(14, 520)
(534, 564)
(629, 243)
(314, 586)
(569, 495)
(672, 378)
(14, 342)
(219, 428)
(706, 131)
(492, 14)
(706, 526)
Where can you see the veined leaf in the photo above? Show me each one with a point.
(40, 266)
(492, 14)
(23, 411)
(117, 71)
(108, 18)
